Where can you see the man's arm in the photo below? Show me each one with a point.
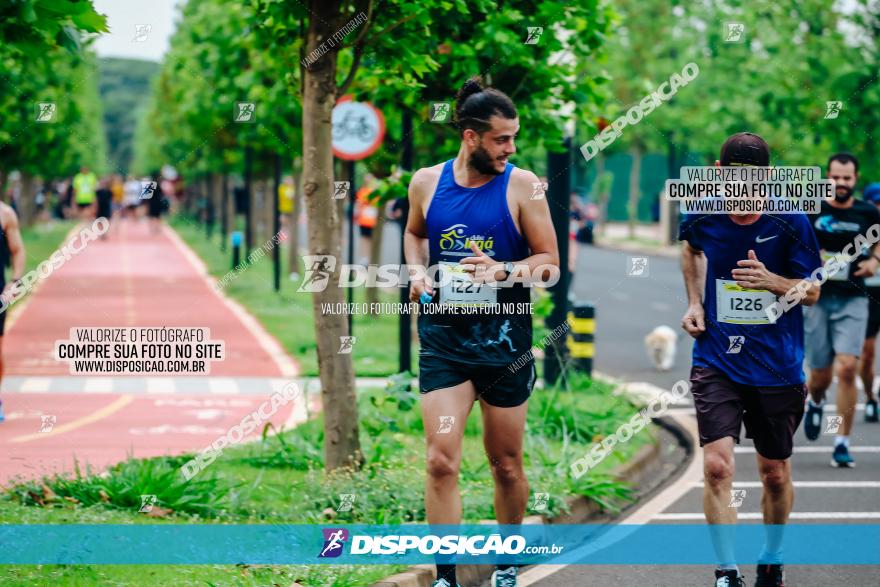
(415, 236)
(536, 227)
(13, 238)
(693, 267)
(754, 275)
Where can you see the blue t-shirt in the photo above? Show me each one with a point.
(758, 354)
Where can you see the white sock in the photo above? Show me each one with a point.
(815, 405)
(839, 439)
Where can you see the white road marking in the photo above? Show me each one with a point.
(98, 385)
(760, 516)
(163, 385)
(811, 449)
(222, 385)
(807, 484)
(36, 385)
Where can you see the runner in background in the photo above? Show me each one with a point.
(104, 197)
(835, 327)
(866, 365)
(286, 192)
(11, 252)
(154, 202)
(132, 198)
(365, 215)
(117, 187)
(84, 185)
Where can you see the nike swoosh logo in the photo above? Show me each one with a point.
(758, 239)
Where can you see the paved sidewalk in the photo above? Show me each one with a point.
(139, 279)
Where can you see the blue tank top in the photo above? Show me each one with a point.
(458, 216)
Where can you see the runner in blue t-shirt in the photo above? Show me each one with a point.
(747, 368)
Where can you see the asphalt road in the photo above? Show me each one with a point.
(627, 309)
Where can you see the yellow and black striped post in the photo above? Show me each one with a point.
(582, 327)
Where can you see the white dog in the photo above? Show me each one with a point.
(660, 345)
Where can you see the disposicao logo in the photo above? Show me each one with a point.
(334, 539)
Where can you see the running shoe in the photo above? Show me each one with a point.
(841, 457)
(770, 576)
(871, 411)
(730, 578)
(505, 578)
(813, 421)
(442, 583)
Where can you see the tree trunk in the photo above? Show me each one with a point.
(216, 200)
(635, 174)
(376, 254)
(341, 442)
(293, 224)
(26, 200)
(269, 207)
(601, 194)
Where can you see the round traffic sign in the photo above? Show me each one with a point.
(358, 129)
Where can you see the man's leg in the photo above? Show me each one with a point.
(503, 430)
(866, 366)
(444, 414)
(719, 467)
(818, 383)
(2, 415)
(776, 503)
(846, 366)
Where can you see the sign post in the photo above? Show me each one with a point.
(358, 130)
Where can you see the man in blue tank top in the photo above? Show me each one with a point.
(475, 224)
(747, 368)
(11, 252)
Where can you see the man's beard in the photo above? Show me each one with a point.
(838, 197)
(483, 162)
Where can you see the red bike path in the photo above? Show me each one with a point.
(134, 278)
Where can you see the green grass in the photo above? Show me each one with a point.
(280, 480)
(288, 316)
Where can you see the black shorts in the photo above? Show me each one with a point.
(503, 387)
(771, 414)
(873, 319)
(83, 205)
(366, 231)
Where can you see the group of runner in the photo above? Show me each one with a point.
(473, 217)
(749, 369)
(102, 198)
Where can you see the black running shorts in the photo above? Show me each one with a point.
(503, 387)
(771, 414)
(873, 316)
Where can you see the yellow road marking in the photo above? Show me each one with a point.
(107, 410)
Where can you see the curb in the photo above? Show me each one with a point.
(581, 511)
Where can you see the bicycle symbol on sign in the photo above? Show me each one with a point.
(353, 125)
